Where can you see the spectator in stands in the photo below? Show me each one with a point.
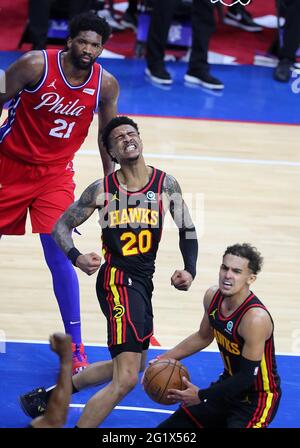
(105, 9)
(203, 25)
(130, 17)
(39, 15)
(290, 41)
(238, 16)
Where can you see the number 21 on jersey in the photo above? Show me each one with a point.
(63, 126)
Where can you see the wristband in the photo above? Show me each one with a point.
(73, 254)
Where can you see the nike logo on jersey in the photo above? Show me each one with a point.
(52, 84)
(76, 322)
(89, 91)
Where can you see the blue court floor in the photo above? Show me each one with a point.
(26, 366)
(250, 93)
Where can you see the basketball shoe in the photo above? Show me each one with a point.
(240, 18)
(34, 403)
(80, 361)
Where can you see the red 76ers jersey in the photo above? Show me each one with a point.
(47, 124)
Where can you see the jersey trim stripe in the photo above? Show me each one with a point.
(134, 193)
(255, 305)
(264, 372)
(160, 202)
(268, 350)
(231, 316)
(162, 176)
(65, 79)
(121, 292)
(98, 96)
(6, 127)
(43, 79)
(197, 423)
(257, 410)
(130, 321)
(263, 420)
(116, 302)
(214, 299)
(112, 321)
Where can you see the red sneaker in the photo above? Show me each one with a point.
(80, 361)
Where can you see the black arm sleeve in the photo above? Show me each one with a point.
(235, 384)
(188, 245)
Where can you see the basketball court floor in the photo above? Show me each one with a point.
(236, 155)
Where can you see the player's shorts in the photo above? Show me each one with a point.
(252, 410)
(45, 191)
(126, 303)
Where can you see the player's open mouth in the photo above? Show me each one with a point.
(130, 148)
(227, 284)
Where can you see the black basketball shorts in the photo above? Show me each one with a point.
(125, 300)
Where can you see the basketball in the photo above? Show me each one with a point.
(163, 375)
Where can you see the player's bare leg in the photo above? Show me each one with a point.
(126, 367)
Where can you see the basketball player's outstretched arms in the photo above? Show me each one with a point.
(91, 199)
(173, 200)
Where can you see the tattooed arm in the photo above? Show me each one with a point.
(91, 199)
(188, 244)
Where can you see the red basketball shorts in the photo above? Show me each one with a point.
(45, 191)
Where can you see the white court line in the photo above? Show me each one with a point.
(152, 347)
(129, 408)
(206, 158)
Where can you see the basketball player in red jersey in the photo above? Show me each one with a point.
(131, 204)
(248, 392)
(54, 95)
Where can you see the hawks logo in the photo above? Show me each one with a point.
(232, 2)
(119, 311)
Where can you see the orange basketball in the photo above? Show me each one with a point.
(163, 375)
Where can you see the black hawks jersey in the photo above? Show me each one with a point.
(132, 224)
(230, 343)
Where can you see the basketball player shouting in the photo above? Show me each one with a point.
(132, 203)
(53, 98)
